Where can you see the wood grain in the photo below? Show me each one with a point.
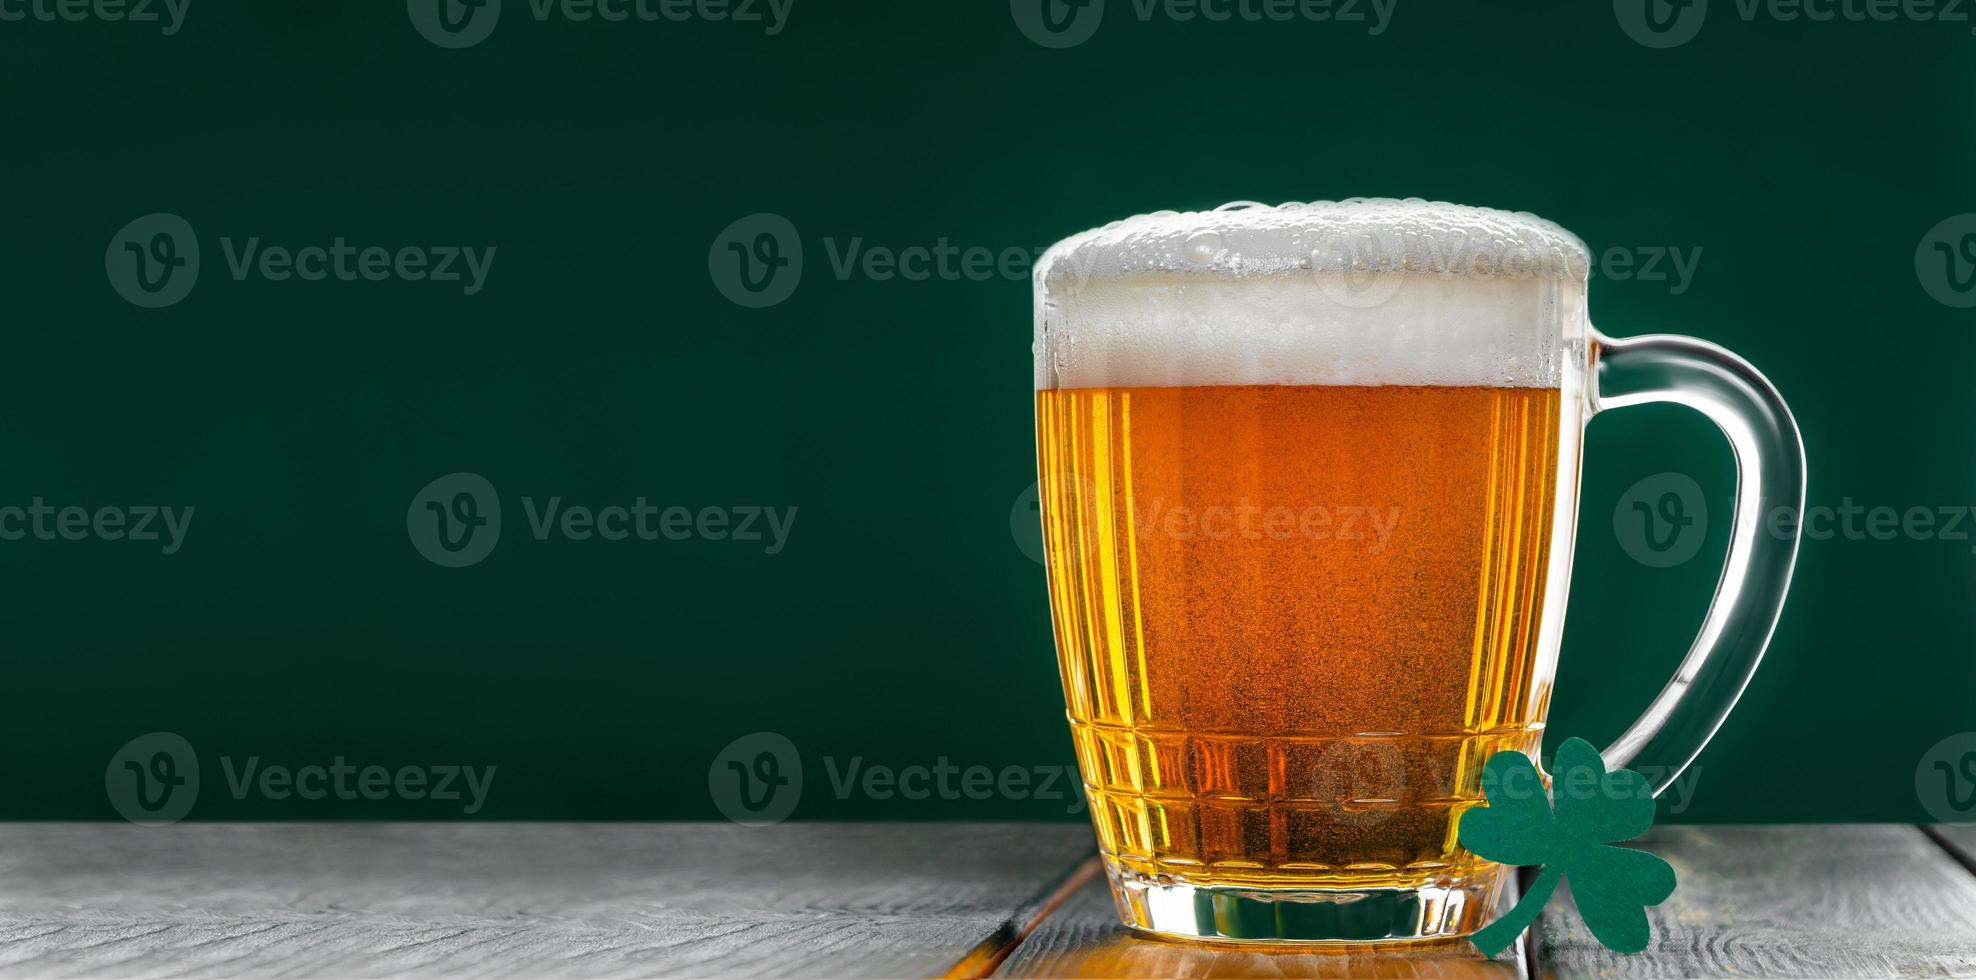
(445, 900)
(1789, 901)
(497, 900)
(1083, 939)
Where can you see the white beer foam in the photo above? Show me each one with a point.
(1359, 292)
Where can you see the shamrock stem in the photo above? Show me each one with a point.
(1504, 931)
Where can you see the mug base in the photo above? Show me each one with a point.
(1173, 909)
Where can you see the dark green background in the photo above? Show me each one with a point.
(902, 623)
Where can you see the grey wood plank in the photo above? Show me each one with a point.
(1082, 938)
(496, 900)
(1789, 901)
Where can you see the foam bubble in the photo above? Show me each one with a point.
(1359, 292)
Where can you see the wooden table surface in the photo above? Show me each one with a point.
(872, 900)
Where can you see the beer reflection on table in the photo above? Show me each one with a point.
(1082, 938)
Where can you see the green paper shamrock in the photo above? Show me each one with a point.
(1612, 885)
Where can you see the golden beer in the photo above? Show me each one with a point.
(1293, 621)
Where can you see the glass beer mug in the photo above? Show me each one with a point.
(1309, 478)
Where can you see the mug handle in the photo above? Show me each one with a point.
(1770, 473)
